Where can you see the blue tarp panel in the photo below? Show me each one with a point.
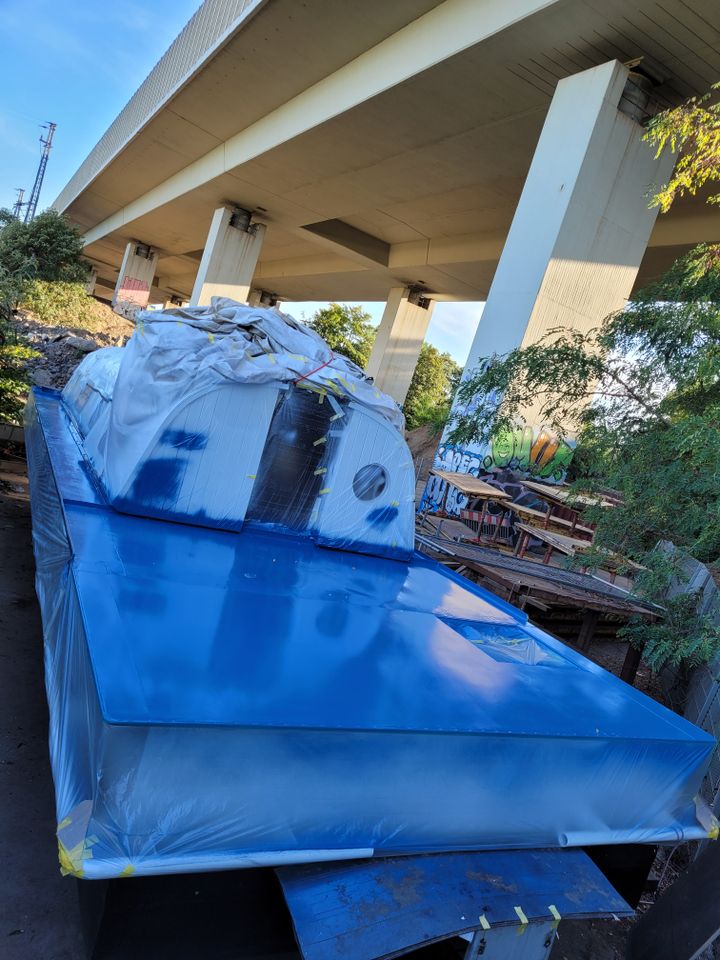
(223, 699)
(361, 910)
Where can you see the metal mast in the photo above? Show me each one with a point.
(17, 209)
(37, 186)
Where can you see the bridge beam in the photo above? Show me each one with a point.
(399, 339)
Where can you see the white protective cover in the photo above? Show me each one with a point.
(181, 424)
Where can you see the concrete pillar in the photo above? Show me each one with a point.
(91, 281)
(571, 257)
(229, 258)
(132, 290)
(398, 341)
(583, 222)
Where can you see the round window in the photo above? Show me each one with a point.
(370, 481)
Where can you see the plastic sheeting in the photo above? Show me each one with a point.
(215, 415)
(221, 700)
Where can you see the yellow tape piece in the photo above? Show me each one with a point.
(251, 476)
(554, 912)
(337, 416)
(394, 503)
(319, 441)
(484, 923)
(714, 830)
(127, 871)
(64, 823)
(271, 358)
(521, 916)
(321, 396)
(71, 861)
(211, 337)
(324, 491)
(320, 471)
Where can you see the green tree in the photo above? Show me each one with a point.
(347, 330)
(694, 129)
(431, 390)
(47, 248)
(642, 395)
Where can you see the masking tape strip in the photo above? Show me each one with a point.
(484, 923)
(554, 912)
(127, 871)
(320, 471)
(324, 491)
(319, 441)
(521, 915)
(251, 476)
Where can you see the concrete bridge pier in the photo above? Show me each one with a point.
(583, 220)
(399, 339)
(135, 279)
(231, 253)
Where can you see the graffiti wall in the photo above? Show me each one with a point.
(531, 452)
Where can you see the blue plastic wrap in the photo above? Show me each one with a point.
(222, 699)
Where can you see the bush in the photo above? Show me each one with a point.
(48, 248)
(63, 304)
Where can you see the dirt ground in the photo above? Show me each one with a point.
(38, 907)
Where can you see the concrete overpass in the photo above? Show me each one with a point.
(383, 150)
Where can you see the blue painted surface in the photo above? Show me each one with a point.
(351, 641)
(275, 701)
(359, 910)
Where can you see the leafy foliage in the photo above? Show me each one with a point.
(13, 351)
(61, 303)
(347, 330)
(33, 256)
(431, 389)
(47, 248)
(693, 128)
(651, 432)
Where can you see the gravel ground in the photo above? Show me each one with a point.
(60, 349)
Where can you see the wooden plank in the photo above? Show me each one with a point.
(471, 486)
(587, 629)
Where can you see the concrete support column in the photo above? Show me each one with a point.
(583, 222)
(228, 261)
(132, 290)
(399, 338)
(91, 281)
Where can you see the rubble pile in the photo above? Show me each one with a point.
(60, 349)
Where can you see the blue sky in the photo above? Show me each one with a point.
(78, 62)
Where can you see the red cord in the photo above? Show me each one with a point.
(316, 370)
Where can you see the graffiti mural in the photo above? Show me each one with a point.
(531, 452)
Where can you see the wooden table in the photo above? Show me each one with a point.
(469, 485)
(555, 541)
(547, 521)
(564, 496)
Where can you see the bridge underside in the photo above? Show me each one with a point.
(365, 184)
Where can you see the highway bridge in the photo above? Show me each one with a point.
(410, 151)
